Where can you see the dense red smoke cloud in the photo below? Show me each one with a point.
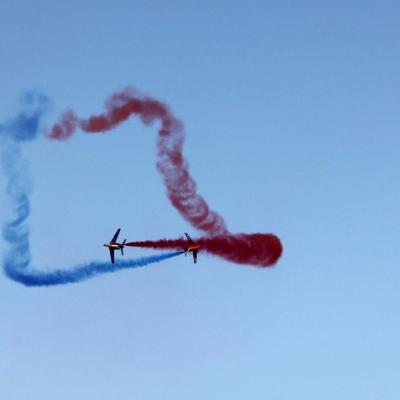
(256, 249)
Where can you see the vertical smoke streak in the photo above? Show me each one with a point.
(24, 127)
(16, 263)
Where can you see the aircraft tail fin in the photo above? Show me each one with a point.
(122, 247)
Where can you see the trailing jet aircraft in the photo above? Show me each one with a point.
(192, 247)
(113, 245)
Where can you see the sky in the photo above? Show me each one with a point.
(291, 114)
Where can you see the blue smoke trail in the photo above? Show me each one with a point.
(23, 128)
(78, 273)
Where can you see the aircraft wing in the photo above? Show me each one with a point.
(112, 255)
(115, 237)
(195, 256)
(189, 238)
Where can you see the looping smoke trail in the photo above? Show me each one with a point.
(181, 188)
(16, 263)
(256, 249)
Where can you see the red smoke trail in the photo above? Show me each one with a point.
(256, 249)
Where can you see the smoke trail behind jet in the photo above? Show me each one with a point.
(258, 249)
(78, 273)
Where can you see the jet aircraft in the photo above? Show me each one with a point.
(113, 245)
(192, 247)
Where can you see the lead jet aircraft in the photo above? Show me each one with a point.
(113, 245)
(192, 247)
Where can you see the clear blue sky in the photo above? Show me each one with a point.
(292, 115)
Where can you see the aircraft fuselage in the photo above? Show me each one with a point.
(193, 248)
(115, 246)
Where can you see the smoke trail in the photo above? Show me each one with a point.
(257, 249)
(180, 186)
(25, 127)
(78, 273)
